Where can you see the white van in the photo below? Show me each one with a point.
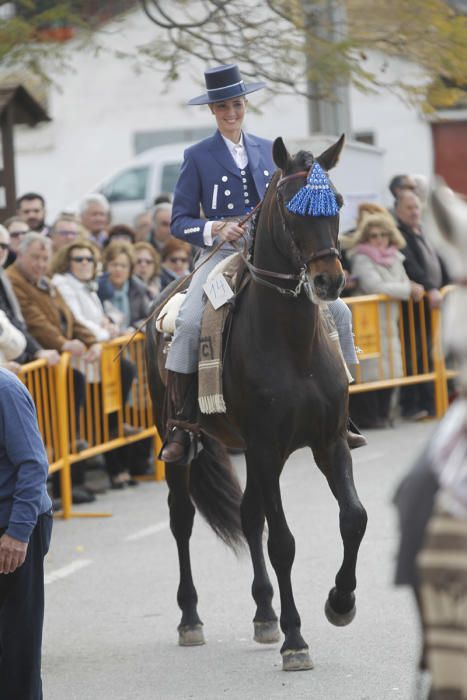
(133, 188)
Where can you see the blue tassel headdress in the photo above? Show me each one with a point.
(316, 198)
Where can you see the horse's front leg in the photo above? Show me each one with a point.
(267, 465)
(266, 628)
(182, 513)
(340, 606)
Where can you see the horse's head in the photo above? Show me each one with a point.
(309, 207)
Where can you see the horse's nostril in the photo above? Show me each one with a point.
(320, 280)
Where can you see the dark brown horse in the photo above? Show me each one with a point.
(285, 388)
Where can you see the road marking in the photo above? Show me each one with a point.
(159, 527)
(66, 570)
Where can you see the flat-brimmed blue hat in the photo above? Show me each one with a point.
(224, 83)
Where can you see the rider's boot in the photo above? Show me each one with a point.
(182, 416)
(354, 437)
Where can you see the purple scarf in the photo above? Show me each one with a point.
(381, 256)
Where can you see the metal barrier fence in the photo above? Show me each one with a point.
(99, 426)
(400, 343)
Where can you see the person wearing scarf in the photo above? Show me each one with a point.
(377, 265)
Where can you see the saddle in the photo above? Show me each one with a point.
(211, 349)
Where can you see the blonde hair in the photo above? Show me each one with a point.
(383, 221)
(61, 260)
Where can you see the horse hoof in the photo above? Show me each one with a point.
(296, 660)
(339, 619)
(267, 632)
(191, 636)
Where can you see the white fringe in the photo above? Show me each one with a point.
(212, 404)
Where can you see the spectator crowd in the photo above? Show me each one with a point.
(75, 284)
(84, 280)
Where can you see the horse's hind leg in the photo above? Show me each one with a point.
(340, 606)
(266, 628)
(182, 513)
(267, 467)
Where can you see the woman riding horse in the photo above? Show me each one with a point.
(226, 175)
(285, 388)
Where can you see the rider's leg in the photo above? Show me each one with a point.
(182, 363)
(182, 411)
(342, 317)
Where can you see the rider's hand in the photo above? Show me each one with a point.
(227, 230)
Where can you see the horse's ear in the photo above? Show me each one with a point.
(328, 159)
(280, 154)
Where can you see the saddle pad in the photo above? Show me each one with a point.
(227, 263)
(165, 322)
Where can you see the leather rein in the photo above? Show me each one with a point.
(301, 278)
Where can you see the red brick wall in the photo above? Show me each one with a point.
(450, 149)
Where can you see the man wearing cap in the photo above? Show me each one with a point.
(224, 176)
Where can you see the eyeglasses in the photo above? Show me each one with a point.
(82, 258)
(146, 261)
(176, 260)
(4, 246)
(378, 234)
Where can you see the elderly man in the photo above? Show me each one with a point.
(25, 531)
(51, 322)
(94, 212)
(10, 306)
(424, 266)
(65, 229)
(31, 209)
(48, 317)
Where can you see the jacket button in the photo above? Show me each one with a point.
(224, 178)
(266, 172)
(230, 206)
(227, 193)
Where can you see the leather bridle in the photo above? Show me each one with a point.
(301, 263)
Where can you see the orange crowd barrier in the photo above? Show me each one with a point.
(400, 343)
(53, 392)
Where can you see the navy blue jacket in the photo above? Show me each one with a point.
(210, 179)
(23, 461)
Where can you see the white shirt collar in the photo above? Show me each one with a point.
(237, 151)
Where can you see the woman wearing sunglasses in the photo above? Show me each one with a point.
(175, 258)
(147, 267)
(74, 270)
(377, 265)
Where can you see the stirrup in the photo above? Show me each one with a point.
(190, 452)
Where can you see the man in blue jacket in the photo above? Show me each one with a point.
(25, 530)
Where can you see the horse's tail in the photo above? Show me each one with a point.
(216, 492)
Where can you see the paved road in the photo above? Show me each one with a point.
(111, 613)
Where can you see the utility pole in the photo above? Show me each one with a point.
(330, 115)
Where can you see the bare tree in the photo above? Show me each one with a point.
(295, 44)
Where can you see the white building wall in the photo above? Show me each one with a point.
(103, 102)
(401, 130)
